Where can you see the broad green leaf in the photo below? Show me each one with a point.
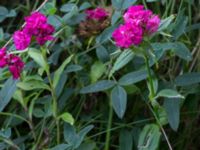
(73, 138)
(122, 4)
(61, 147)
(5, 133)
(97, 87)
(102, 54)
(106, 34)
(172, 107)
(67, 117)
(179, 25)
(32, 85)
(166, 22)
(125, 140)
(67, 7)
(82, 134)
(169, 93)
(84, 6)
(73, 68)
(7, 92)
(124, 58)
(133, 77)
(178, 48)
(182, 51)
(119, 100)
(149, 138)
(188, 79)
(115, 17)
(87, 146)
(97, 70)
(36, 55)
(60, 70)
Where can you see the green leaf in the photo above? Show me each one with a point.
(169, 93)
(125, 140)
(32, 85)
(165, 23)
(133, 77)
(179, 25)
(115, 17)
(97, 87)
(124, 58)
(102, 54)
(172, 107)
(72, 138)
(149, 138)
(67, 117)
(122, 4)
(7, 92)
(119, 100)
(60, 70)
(97, 70)
(73, 68)
(188, 79)
(84, 6)
(36, 55)
(182, 51)
(61, 147)
(82, 134)
(3, 13)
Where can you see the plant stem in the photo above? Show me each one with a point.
(163, 131)
(53, 94)
(152, 93)
(108, 131)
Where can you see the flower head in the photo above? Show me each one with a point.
(34, 22)
(3, 61)
(138, 23)
(97, 14)
(127, 35)
(153, 24)
(15, 65)
(21, 40)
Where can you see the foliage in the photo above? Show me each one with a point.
(79, 91)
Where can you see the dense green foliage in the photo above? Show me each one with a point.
(84, 93)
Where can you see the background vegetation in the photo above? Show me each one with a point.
(92, 76)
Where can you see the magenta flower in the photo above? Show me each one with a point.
(127, 35)
(15, 65)
(45, 34)
(37, 25)
(153, 24)
(21, 40)
(97, 14)
(138, 23)
(3, 60)
(34, 22)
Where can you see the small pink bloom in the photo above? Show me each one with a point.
(128, 35)
(153, 24)
(3, 60)
(37, 25)
(137, 14)
(21, 40)
(15, 65)
(97, 14)
(34, 23)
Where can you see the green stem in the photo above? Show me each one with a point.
(53, 94)
(152, 92)
(108, 131)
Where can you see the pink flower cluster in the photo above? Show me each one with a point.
(97, 14)
(36, 26)
(138, 22)
(14, 63)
